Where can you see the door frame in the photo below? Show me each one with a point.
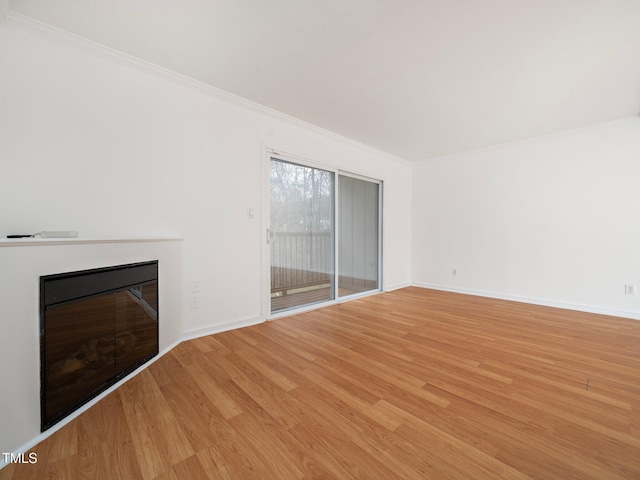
(280, 154)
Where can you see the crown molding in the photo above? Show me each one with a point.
(4, 9)
(529, 140)
(24, 22)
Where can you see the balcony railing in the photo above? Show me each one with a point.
(300, 259)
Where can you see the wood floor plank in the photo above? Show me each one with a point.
(476, 463)
(190, 467)
(268, 399)
(265, 436)
(159, 441)
(410, 384)
(105, 445)
(341, 423)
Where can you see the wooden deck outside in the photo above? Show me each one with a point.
(309, 297)
(301, 271)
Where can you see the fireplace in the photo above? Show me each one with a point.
(96, 327)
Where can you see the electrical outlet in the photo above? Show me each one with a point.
(454, 272)
(195, 286)
(194, 301)
(629, 289)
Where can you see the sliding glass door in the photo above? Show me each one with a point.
(310, 239)
(301, 235)
(359, 232)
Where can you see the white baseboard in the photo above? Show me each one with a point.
(536, 301)
(223, 327)
(397, 286)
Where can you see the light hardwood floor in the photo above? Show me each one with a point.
(412, 384)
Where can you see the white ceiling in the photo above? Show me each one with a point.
(415, 78)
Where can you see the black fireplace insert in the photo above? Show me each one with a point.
(96, 327)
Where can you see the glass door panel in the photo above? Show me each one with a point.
(358, 236)
(301, 235)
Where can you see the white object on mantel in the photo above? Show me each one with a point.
(60, 234)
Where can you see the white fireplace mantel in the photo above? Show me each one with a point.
(37, 241)
(21, 266)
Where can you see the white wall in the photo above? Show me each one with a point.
(77, 129)
(553, 220)
(93, 141)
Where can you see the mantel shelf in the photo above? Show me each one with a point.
(34, 242)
